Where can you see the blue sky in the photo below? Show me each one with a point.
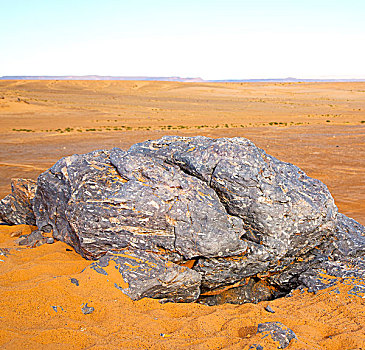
(209, 39)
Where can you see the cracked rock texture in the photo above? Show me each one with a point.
(245, 226)
(278, 332)
(16, 208)
(146, 274)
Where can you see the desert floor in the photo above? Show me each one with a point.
(320, 127)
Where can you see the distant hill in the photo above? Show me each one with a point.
(106, 77)
(284, 80)
(97, 77)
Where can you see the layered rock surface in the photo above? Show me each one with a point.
(245, 226)
(16, 208)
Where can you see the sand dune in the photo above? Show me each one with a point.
(317, 126)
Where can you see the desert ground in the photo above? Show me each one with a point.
(319, 127)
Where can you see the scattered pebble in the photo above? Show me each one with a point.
(163, 335)
(50, 240)
(87, 309)
(55, 308)
(256, 347)
(268, 308)
(75, 281)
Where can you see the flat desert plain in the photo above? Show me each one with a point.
(319, 127)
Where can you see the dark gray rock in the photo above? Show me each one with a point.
(278, 332)
(341, 256)
(247, 291)
(327, 274)
(86, 310)
(139, 202)
(16, 208)
(218, 272)
(282, 209)
(247, 226)
(256, 347)
(268, 308)
(75, 281)
(349, 238)
(34, 239)
(146, 274)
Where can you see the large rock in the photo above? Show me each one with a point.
(106, 201)
(16, 208)
(282, 209)
(250, 226)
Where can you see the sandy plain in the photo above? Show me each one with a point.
(320, 127)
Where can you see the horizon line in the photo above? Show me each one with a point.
(172, 78)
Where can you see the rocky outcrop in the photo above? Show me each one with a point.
(16, 208)
(230, 222)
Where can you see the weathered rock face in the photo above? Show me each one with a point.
(278, 332)
(282, 209)
(107, 201)
(16, 208)
(245, 225)
(341, 257)
(146, 274)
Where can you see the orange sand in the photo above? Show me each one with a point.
(34, 280)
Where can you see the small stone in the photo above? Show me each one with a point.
(34, 239)
(75, 281)
(279, 332)
(87, 309)
(50, 240)
(256, 347)
(268, 308)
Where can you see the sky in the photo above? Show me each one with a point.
(211, 39)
